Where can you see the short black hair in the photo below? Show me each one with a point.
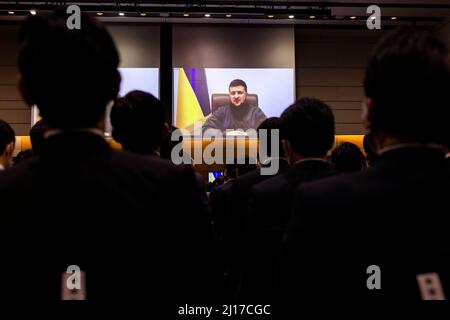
(37, 136)
(407, 78)
(7, 135)
(69, 74)
(272, 123)
(308, 125)
(369, 148)
(138, 121)
(347, 157)
(238, 82)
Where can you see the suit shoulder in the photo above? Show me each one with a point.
(148, 164)
(247, 179)
(270, 185)
(18, 173)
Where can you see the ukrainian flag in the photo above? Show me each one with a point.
(188, 107)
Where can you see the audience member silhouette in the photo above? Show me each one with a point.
(7, 143)
(347, 157)
(22, 156)
(112, 214)
(385, 222)
(37, 136)
(307, 130)
(369, 149)
(138, 122)
(232, 223)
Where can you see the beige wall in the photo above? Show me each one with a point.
(12, 107)
(233, 46)
(330, 66)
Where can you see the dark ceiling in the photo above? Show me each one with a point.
(308, 13)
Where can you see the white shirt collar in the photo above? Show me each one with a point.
(269, 159)
(2, 167)
(408, 145)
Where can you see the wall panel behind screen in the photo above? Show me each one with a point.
(12, 107)
(231, 46)
(330, 66)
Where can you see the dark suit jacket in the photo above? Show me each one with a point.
(393, 215)
(230, 117)
(269, 213)
(134, 224)
(237, 211)
(231, 217)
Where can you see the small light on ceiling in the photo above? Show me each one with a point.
(228, 15)
(121, 14)
(353, 17)
(185, 14)
(373, 18)
(270, 16)
(312, 17)
(207, 15)
(99, 13)
(291, 17)
(33, 12)
(393, 18)
(11, 12)
(142, 14)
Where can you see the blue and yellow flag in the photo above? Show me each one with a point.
(188, 107)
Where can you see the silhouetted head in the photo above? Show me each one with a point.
(347, 157)
(37, 136)
(308, 127)
(138, 121)
(407, 84)
(70, 75)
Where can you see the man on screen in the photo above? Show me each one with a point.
(238, 114)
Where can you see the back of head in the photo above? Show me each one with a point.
(407, 79)
(69, 74)
(369, 148)
(138, 122)
(167, 144)
(308, 125)
(7, 136)
(37, 136)
(272, 123)
(347, 157)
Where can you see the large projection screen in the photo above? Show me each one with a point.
(262, 56)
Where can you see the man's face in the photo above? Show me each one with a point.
(237, 95)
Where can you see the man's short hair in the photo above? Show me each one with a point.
(347, 157)
(272, 123)
(7, 135)
(138, 121)
(308, 125)
(236, 83)
(37, 136)
(407, 78)
(69, 74)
